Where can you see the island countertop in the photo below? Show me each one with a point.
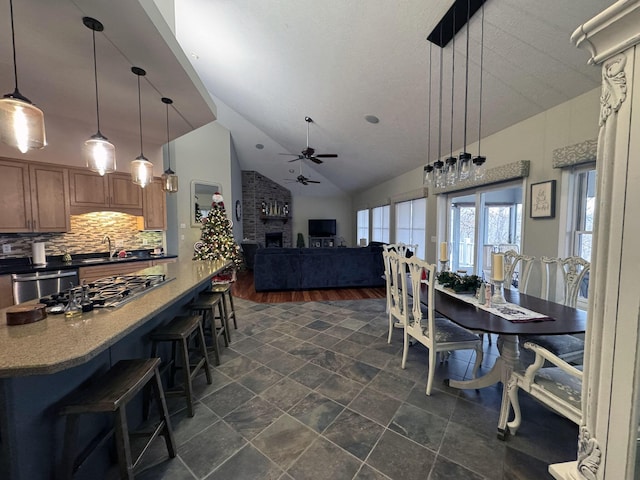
(57, 343)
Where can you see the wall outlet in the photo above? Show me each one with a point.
(6, 248)
(145, 241)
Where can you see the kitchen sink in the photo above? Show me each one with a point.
(95, 260)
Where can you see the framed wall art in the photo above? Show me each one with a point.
(543, 199)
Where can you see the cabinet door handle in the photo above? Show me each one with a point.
(33, 224)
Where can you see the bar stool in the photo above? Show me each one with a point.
(179, 332)
(225, 290)
(111, 393)
(206, 305)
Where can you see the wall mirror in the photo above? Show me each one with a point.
(201, 193)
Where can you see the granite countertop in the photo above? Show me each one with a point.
(57, 343)
(24, 265)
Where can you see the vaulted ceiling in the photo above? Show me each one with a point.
(270, 63)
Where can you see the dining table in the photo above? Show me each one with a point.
(556, 319)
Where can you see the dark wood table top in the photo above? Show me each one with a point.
(564, 319)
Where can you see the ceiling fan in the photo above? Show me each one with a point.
(309, 153)
(301, 178)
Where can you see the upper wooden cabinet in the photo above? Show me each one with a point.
(154, 206)
(91, 192)
(35, 197)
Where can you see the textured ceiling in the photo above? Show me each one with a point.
(270, 63)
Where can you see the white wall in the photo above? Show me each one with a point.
(533, 139)
(340, 208)
(203, 154)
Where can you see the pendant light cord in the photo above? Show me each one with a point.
(429, 122)
(168, 146)
(481, 70)
(95, 76)
(453, 76)
(440, 105)
(466, 81)
(13, 42)
(140, 116)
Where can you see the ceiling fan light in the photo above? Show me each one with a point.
(99, 154)
(21, 123)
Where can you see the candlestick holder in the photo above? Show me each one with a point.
(444, 265)
(498, 292)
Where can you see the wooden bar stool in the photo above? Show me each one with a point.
(206, 305)
(225, 290)
(111, 393)
(179, 332)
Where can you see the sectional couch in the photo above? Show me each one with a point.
(312, 268)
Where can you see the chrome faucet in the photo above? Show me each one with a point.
(107, 239)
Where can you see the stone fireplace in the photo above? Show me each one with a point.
(256, 191)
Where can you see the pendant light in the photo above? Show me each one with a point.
(428, 169)
(451, 161)
(141, 168)
(478, 162)
(21, 122)
(169, 177)
(99, 153)
(464, 159)
(438, 165)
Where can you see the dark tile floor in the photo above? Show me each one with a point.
(313, 391)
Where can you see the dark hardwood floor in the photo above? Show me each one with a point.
(243, 288)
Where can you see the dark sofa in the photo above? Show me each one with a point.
(311, 268)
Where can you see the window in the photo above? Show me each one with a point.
(362, 226)
(498, 227)
(411, 223)
(380, 224)
(585, 203)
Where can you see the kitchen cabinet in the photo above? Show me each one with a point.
(35, 197)
(6, 291)
(96, 272)
(90, 192)
(154, 206)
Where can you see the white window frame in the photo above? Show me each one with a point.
(382, 232)
(417, 236)
(362, 226)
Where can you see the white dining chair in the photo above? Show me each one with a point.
(571, 272)
(438, 334)
(557, 386)
(517, 270)
(392, 281)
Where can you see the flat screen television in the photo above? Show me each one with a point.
(322, 228)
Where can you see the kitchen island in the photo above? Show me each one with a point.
(42, 362)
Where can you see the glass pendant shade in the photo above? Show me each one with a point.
(478, 167)
(428, 175)
(439, 173)
(464, 165)
(452, 171)
(169, 181)
(99, 154)
(169, 177)
(21, 123)
(141, 171)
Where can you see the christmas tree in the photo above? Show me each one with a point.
(216, 239)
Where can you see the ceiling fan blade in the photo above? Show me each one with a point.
(327, 155)
(300, 157)
(291, 154)
(315, 160)
(312, 181)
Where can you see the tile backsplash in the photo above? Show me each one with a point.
(85, 236)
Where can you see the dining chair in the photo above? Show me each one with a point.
(438, 334)
(393, 281)
(517, 270)
(571, 271)
(403, 251)
(557, 386)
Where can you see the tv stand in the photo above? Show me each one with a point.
(322, 242)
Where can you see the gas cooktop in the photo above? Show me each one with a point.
(111, 292)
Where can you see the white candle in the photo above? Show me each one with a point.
(497, 267)
(443, 252)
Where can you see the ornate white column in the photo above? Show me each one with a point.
(608, 435)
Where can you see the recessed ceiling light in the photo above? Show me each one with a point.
(372, 119)
(195, 55)
(291, 170)
(259, 146)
